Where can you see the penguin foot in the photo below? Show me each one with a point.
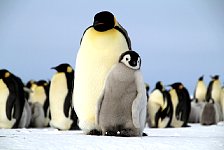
(126, 133)
(94, 132)
(110, 133)
(144, 134)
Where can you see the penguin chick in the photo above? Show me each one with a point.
(121, 108)
(101, 45)
(26, 116)
(160, 107)
(210, 113)
(196, 111)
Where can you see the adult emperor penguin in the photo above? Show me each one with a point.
(214, 89)
(101, 45)
(214, 93)
(181, 105)
(60, 97)
(222, 101)
(11, 99)
(40, 95)
(160, 107)
(198, 102)
(121, 109)
(200, 90)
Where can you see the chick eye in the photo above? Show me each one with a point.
(127, 59)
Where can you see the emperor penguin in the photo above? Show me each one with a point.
(198, 102)
(40, 95)
(30, 86)
(160, 107)
(214, 93)
(200, 90)
(11, 99)
(181, 105)
(101, 45)
(121, 109)
(214, 89)
(60, 97)
(222, 102)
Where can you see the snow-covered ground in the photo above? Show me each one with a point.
(196, 137)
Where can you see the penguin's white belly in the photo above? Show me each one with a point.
(200, 93)
(154, 104)
(58, 93)
(38, 96)
(95, 58)
(4, 92)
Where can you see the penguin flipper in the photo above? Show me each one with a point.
(67, 104)
(9, 105)
(140, 102)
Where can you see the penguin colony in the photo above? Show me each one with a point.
(106, 94)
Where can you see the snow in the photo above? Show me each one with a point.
(194, 137)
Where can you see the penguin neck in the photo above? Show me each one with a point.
(124, 73)
(103, 40)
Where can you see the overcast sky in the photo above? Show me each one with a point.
(178, 40)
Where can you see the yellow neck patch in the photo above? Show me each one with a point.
(7, 74)
(69, 69)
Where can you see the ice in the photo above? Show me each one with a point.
(190, 138)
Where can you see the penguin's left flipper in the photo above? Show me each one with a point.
(9, 105)
(140, 102)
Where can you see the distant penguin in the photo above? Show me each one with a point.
(200, 90)
(214, 89)
(147, 90)
(121, 107)
(198, 102)
(11, 99)
(222, 102)
(214, 93)
(160, 107)
(40, 95)
(196, 111)
(210, 113)
(26, 116)
(181, 105)
(61, 98)
(101, 45)
(30, 86)
(38, 116)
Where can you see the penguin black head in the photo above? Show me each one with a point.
(216, 77)
(201, 78)
(177, 86)
(159, 86)
(4, 73)
(42, 83)
(131, 59)
(63, 68)
(103, 21)
(30, 83)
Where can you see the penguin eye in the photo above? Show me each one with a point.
(126, 58)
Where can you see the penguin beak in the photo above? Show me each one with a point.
(27, 90)
(97, 23)
(53, 67)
